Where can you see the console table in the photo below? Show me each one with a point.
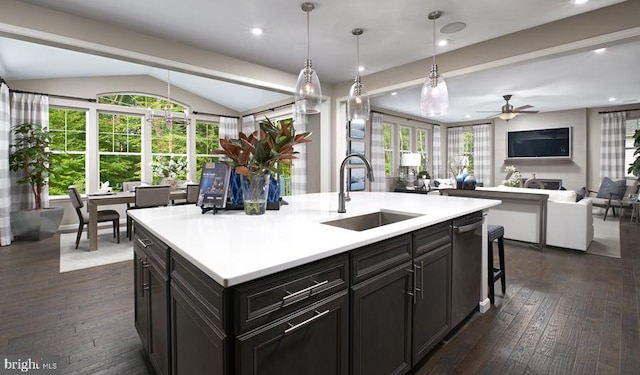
(538, 199)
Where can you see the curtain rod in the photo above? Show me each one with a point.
(404, 118)
(268, 110)
(213, 114)
(55, 96)
(623, 110)
(462, 126)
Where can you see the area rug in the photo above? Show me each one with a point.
(606, 237)
(109, 251)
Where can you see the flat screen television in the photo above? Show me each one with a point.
(552, 143)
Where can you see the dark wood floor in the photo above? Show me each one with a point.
(564, 312)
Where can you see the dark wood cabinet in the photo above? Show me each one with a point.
(381, 309)
(151, 302)
(432, 310)
(311, 341)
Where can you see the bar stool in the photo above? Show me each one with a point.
(496, 232)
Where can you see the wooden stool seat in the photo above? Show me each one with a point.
(496, 232)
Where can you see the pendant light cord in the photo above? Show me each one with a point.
(434, 41)
(308, 39)
(357, 55)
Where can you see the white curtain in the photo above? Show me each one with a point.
(228, 127)
(248, 124)
(377, 153)
(612, 134)
(299, 167)
(482, 153)
(34, 109)
(5, 180)
(437, 162)
(454, 145)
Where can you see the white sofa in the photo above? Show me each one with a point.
(569, 223)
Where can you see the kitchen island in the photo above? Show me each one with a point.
(231, 293)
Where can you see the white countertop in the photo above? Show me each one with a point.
(233, 248)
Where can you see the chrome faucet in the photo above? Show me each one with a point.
(341, 196)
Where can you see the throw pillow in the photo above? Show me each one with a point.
(608, 187)
(580, 194)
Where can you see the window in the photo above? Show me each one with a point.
(422, 148)
(284, 171)
(207, 140)
(404, 137)
(387, 130)
(632, 125)
(468, 148)
(120, 148)
(67, 128)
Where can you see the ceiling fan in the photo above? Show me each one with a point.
(508, 112)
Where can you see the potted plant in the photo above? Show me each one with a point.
(30, 156)
(256, 155)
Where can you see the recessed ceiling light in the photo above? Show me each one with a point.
(612, 99)
(453, 27)
(443, 43)
(361, 68)
(579, 1)
(256, 31)
(468, 116)
(599, 50)
(394, 93)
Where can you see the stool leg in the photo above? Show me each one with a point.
(502, 269)
(492, 296)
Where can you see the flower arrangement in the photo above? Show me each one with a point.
(457, 164)
(261, 150)
(513, 177)
(169, 167)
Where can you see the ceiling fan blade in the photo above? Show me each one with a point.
(526, 111)
(488, 111)
(522, 108)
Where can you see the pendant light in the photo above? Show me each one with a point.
(308, 96)
(358, 101)
(434, 100)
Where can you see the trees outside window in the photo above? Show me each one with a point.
(120, 148)
(67, 128)
(422, 147)
(468, 148)
(207, 140)
(387, 131)
(631, 126)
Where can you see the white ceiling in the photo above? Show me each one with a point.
(396, 33)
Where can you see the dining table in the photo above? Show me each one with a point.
(103, 199)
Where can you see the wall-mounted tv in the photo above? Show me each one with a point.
(552, 143)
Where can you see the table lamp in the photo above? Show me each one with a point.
(411, 161)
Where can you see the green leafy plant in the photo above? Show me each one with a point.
(634, 168)
(263, 149)
(30, 154)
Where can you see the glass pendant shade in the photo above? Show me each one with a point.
(358, 106)
(434, 100)
(308, 96)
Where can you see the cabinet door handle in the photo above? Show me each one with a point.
(144, 242)
(308, 321)
(303, 291)
(143, 267)
(421, 268)
(415, 286)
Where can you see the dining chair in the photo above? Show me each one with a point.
(83, 217)
(147, 197)
(193, 190)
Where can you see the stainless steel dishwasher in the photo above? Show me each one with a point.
(466, 259)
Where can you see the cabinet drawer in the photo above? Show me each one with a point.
(376, 258)
(432, 238)
(258, 302)
(157, 250)
(203, 292)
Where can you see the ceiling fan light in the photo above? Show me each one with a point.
(358, 106)
(434, 99)
(507, 116)
(308, 95)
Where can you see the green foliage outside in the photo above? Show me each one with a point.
(467, 149)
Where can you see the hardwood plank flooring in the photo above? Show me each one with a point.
(564, 312)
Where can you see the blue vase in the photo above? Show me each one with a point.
(235, 188)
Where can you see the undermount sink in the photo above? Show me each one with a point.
(370, 221)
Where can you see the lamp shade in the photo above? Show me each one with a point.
(410, 159)
(507, 116)
(308, 96)
(434, 99)
(358, 102)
